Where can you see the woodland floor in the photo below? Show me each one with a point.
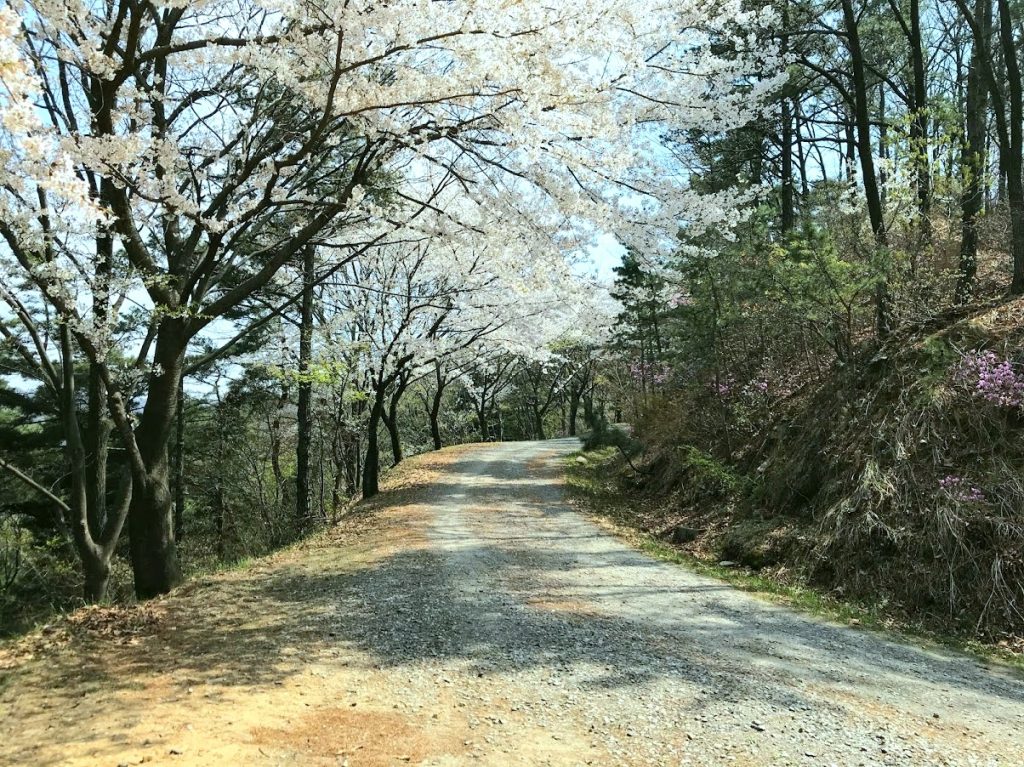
(470, 616)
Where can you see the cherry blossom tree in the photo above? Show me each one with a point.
(164, 161)
(421, 304)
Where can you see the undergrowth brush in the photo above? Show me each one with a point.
(894, 481)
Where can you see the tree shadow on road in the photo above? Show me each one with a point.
(393, 587)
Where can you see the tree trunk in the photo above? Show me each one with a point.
(435, 411)
(390, 418)
(151, 529)
(1015, 151)
(786, 140)
(150, 515)
(354, 450)
(97, 435)
(93, 543)
(851, 145)
(919, 124)
(275, 433)
(788, 214)
(801, 151)
(481, 415)
(1009, 123)
(179, 465)
(371, 466)
(305, 409)
(872, 195)
(883, 146)
(98, 425)
(220, 515)
(1015, 193)
(97, 578)
(974, 160)
(574, 409)
(588, 410)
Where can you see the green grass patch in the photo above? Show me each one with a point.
(597, 488)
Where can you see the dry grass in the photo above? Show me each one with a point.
(838, 487)
(879, 442)
(598, 491)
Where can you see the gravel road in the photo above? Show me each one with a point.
(474, 618)
(520, 599)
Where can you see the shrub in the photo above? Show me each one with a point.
(605, 434)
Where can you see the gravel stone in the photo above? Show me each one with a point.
(534, 612)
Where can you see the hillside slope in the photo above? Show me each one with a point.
(897, 480)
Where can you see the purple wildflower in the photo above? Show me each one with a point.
(993, 379)
(959, 489)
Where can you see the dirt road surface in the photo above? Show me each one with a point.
(470, 616)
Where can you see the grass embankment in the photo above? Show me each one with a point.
(598, 487)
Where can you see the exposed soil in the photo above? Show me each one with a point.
(469, 616)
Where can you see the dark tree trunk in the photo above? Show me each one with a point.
(435, 409)
(150, 515)
(574, 409)
(883, 146)
(337, 488)
(179, 465)
(220, 514)
(862, 123)
(801, 150)
(1015, 193)
(435, 430)
(94, 543)
(788, 213)
(340, 455)
(276, 441)
(97, 435)
(390, 423)
(355, 450)
(390, 417)
(151, 531)
(1009, 121)
(98, 425)
(872, 195)
(588, 410)
(919, 124)
(1015, 152)
(656, 328)
(786, 138)
(481, 415)
(973, 160)
(850, 143)
(97, 578)
(371, 466)
(305, 404)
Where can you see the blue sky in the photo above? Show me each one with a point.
(605, 254)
